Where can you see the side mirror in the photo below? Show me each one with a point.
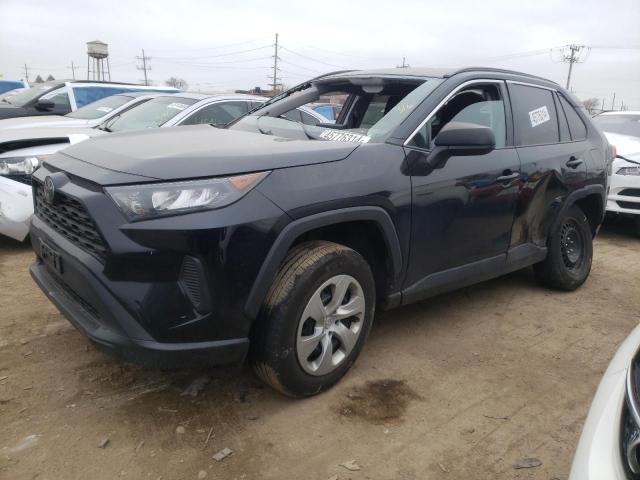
(44, 105)
(460, 138)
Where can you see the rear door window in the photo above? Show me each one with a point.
(576, 125)
(536, 122)
(565, 136)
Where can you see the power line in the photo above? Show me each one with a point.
(217, 55)
(313, 70)
(312, 59)
(144, 66)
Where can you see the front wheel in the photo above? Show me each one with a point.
(315, 319)
(570, 252)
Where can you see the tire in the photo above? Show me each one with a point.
(569, 252)
(282, 339)
(637, 225)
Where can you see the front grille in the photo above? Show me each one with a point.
(68, 217)
(629, 205)
(630, 192)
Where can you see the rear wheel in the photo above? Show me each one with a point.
(315, 319)
(570, 252)
(637, 224)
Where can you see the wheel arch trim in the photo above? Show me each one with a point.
(579, 194)
(293, 230)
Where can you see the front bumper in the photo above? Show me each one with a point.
(16, 208)
(620, 200)
(106, 333)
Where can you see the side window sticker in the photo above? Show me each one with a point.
(539, 116)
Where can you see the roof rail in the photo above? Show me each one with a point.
(499, 70)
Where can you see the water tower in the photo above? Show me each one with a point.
(98, 61)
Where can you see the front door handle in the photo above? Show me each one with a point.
(508, 177)
(574, 162)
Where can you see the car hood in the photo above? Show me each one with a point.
(195, 152)
(41, 121)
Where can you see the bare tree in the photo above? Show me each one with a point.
(176, 82)
(591, 104)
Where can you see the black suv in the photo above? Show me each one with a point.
(276, 240)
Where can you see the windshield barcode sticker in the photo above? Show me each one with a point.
(343, 136)
(539, 116)
(177, 106)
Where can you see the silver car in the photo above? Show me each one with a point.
(89, 116)
(609, 447)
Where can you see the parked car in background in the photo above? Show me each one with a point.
(22, 150)
(276, 239)
(60, 98)
(328, 110)
(90, 115)
(609, 446)
(623, 130)
(8, 85)
(7, 95)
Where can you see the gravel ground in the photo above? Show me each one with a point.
(462, 386)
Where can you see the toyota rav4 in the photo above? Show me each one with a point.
(275, 241)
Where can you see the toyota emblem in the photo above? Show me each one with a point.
(49, 190)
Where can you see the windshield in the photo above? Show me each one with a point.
(100, 108)
(621, 124)
(20, 99)
(151, 114)
(373, 108)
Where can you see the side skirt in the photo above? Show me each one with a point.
(516, 258)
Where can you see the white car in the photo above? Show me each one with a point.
(31, 146)
(609, 447)
(90, 115)
(623, 131)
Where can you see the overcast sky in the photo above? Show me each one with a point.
(217, 46)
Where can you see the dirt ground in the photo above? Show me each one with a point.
(463, 386)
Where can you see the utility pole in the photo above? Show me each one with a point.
(572, 57)
(404, 63)
(26, 72)
(144, 66)
(73, 69)
(274, 83)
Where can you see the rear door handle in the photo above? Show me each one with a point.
(508, 177)
(574, 162)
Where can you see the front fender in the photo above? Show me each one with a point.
(298, 227)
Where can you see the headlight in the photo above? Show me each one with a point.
(628, 171)
(20, 165)
(140, 202)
